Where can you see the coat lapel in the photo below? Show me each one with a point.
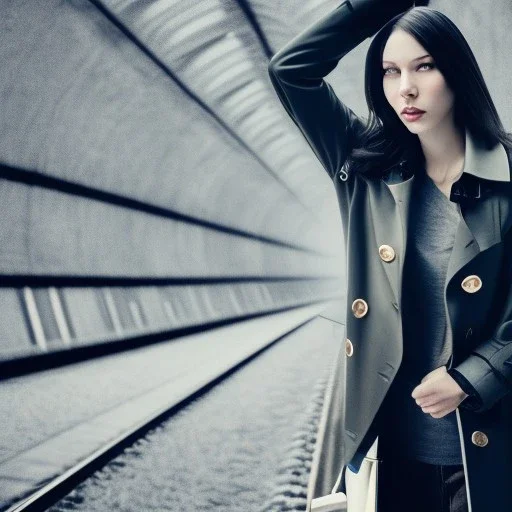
(479, 229)
(389, 203)
(480, 226)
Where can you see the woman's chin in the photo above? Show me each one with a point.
(416, 128)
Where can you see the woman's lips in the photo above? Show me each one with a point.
(412, 117)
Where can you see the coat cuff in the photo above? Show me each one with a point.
(488, 385)
(473, 401)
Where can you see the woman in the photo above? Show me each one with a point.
(426, 202)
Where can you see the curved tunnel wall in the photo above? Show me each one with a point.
(149, 177)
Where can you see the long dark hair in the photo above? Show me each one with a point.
(385, 141)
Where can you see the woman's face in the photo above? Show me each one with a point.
(411, 79)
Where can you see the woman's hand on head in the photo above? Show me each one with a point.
(438, 394)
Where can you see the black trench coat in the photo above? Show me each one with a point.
(374, 213)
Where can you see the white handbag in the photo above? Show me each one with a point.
(362, 487)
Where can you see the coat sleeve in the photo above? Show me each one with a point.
(473, 401)
(298, 69)
(489, 367)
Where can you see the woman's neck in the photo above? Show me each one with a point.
(444, 150)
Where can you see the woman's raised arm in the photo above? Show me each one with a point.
(297, 71)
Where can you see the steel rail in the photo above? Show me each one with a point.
(59, 487)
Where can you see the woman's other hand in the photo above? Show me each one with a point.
(438, 394)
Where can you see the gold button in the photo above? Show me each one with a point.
(349, 348)
(471, 284)
(387, 253)
(359, 308)
(480, 439)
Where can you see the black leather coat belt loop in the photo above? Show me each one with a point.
(467, 188)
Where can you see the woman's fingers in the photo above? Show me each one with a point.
(437, 406)
(443, 413)
(436, 396)
(436, 384)
(442, 407)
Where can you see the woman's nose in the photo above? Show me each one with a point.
(407, 87)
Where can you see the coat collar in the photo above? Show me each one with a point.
(480, 163)
(483, 163)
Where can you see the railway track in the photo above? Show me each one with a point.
(59, 486)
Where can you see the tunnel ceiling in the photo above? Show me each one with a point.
(218, 51)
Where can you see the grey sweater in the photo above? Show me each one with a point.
(432, 225)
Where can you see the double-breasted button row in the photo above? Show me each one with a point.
(359, 308)
(471, 284)
(387, 253)
(479, 439)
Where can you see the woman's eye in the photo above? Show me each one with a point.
(394, 71)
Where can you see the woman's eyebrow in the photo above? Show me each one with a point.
(413, 60)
